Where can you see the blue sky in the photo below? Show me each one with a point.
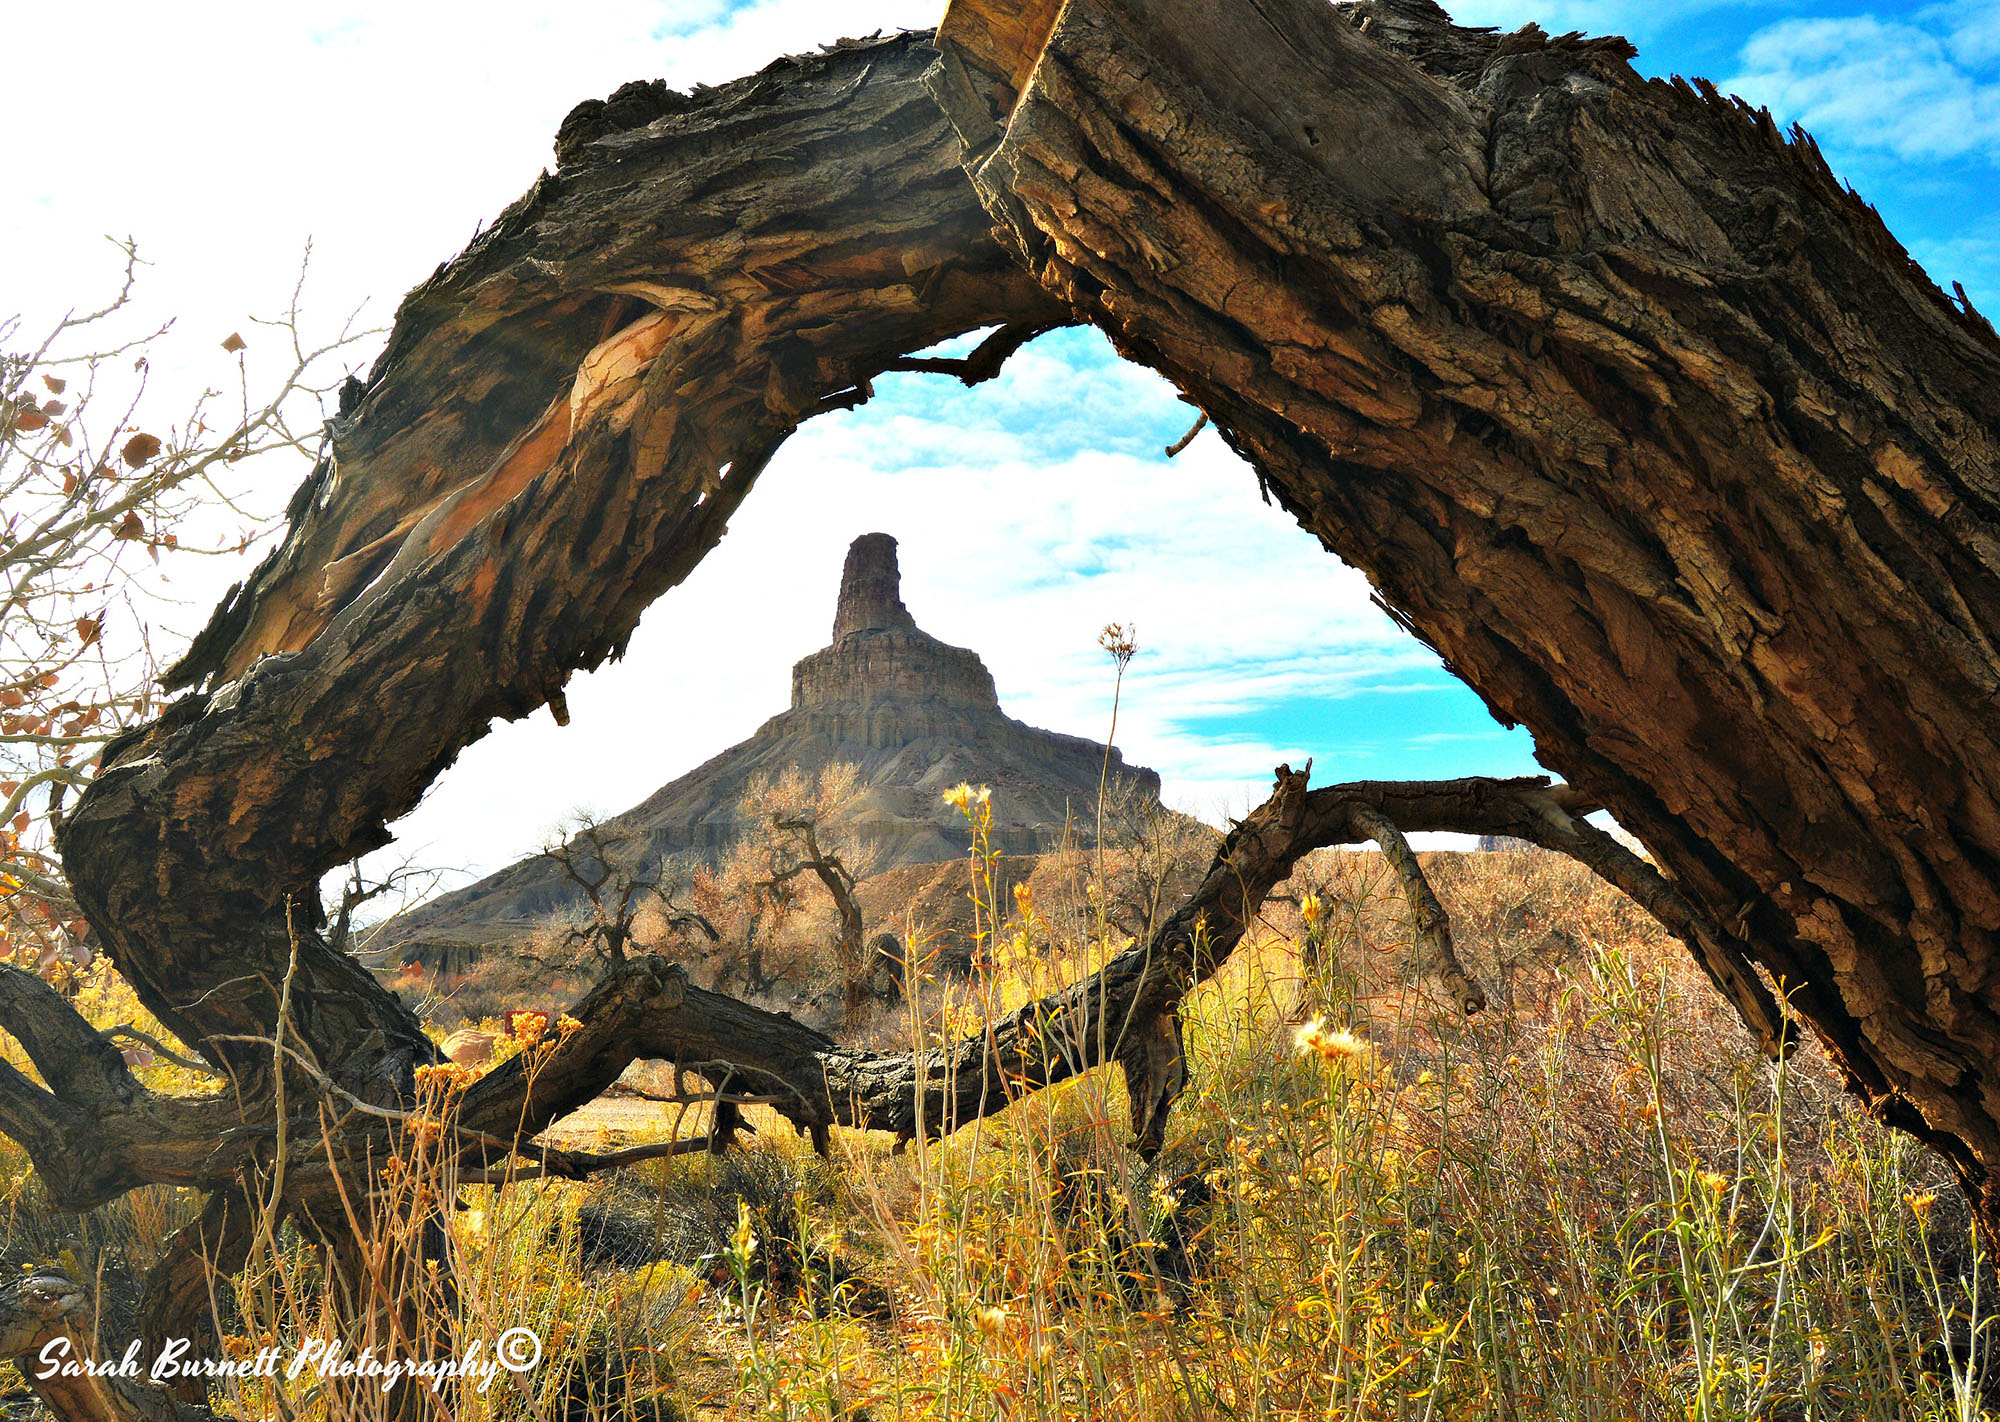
(1031, 510)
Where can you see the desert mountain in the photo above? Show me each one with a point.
(913, 715)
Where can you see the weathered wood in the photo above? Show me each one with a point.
(1621, 401)
(561, 425)
(1127, 1012)
(46, 1307)
(1627, 408)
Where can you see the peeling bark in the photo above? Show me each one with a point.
(1625, 406)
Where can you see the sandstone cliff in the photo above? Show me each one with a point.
(913, 715)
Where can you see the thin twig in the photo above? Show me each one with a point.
(1187, 439)
(158, 1048)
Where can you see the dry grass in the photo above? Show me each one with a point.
(1592, 1201)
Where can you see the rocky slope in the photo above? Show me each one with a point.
(913, 715)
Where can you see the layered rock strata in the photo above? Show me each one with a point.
(914, 716)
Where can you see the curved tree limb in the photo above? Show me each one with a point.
(1127, 1012)
(91, 1129)
(1427, 915)
(1622, 402)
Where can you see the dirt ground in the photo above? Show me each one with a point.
(615, 1118)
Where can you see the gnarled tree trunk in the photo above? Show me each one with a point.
(1622, 402)
(1624, 405)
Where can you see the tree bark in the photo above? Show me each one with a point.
(1624, 405)
(561, 425)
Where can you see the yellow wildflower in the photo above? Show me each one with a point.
(527, 1027)
(1310, 910)
(446, 1077)
(992, 1321)
(1332, 1044)
(1920, 1205)
(1715, 1184)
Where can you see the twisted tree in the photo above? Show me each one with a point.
(1625, 405)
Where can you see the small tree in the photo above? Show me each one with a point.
(86, 483)
(609, 866)
(798, 831)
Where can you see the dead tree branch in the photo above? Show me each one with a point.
(987, 357)
(1127, 1012)
(1427, 916)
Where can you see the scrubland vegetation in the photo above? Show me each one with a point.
(1594, 1200)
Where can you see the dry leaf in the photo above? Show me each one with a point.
(234, 344)
(29, 420)
(129, 527)
(87, 628)
(55, 383)
(139, 449)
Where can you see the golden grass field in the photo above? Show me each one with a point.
(1594, 1200)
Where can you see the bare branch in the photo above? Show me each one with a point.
(986, 359)
(1127, 1012)
(1432, 924)
(1187, 439)
(158, 1048)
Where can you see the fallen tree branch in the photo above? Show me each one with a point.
(577, 1164)
(1127, 1012)
(1427, 915)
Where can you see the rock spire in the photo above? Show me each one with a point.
(883, 681)
(871, 597)
(913, 715)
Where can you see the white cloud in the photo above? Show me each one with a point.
(1022, 559)
(1971, 29)
(1909, 89)
(225, 134)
